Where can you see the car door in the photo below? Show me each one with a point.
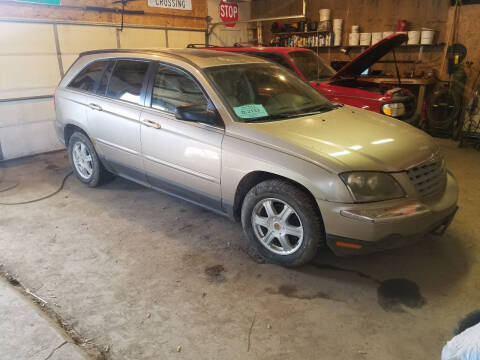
(180, 157)
(114, 116)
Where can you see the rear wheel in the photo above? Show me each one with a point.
(282, 223)
(85, 161)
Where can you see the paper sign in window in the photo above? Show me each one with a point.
(250, 111)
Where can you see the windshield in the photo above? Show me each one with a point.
(311, 65)
(265, 92)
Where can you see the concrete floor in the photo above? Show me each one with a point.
(149, 275)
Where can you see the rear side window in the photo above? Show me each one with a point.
(88, 77)
(102, 87)
(127, 80)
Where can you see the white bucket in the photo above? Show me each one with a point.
(355, 29)
(337, 24)
(376, 37)
(337, 38)
(413, 37)
(324, 14)
(365, 39)
(387, 33)
(427, 36)
(353, 39)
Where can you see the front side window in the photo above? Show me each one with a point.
(173, 88)
(127, 80)
(88, 77)
(265, 92)
(311, 65)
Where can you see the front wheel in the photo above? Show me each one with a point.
(282, 223)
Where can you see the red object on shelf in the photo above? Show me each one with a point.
(402, 25)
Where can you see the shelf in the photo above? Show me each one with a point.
(398, 47)
(302, 32)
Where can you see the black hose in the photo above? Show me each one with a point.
(60, 188)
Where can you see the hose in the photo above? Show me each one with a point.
(60, 188)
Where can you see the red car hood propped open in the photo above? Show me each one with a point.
(370, 56)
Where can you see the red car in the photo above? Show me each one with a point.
(343, 86)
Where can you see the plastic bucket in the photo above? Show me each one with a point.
(387, 33)
(427, 37)
(355, 29)
(337, 24)
(353, 39)
(413, 37)
(365, 39)
(337, 38)
(324, 14)
(376, 37)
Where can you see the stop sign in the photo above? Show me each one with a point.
(228, 12)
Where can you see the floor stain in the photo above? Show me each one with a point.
(394, 293)
(215, 274)
(291, 291)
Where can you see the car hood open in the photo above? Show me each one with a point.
(370, 56)
(346, 139)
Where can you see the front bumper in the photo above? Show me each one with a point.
(350, 235)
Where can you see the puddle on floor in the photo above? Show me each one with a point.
(395, 293)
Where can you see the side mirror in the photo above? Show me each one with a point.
(196, 113)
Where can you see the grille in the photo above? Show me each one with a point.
(429, 177)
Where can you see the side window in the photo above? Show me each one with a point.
(88, 77)
(102, 87)
(173, 88)
(127, 80)
(276, 58)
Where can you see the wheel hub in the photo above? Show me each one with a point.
(277, 226)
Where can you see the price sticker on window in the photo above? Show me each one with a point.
(250, 111)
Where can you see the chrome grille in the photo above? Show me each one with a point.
(429, 177)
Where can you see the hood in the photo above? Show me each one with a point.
(347, 139)
(370, 56)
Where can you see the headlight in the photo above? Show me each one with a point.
(372, 186)
(393, 109)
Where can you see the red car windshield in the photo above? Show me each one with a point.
(311, 65)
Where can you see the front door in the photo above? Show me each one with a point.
(180, 157)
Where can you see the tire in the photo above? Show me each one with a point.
(89, 169)
(284, 243)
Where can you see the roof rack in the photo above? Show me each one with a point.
(201, 46)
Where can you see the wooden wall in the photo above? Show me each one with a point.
(72, 10)
(371, 15)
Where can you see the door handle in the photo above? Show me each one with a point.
(151, 123)
(95, 107)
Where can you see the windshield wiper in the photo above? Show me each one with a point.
(269, 117)
(319, 109)
(308, 111)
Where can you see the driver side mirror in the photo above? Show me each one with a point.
(197, 113)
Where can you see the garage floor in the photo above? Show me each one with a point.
(154, 277)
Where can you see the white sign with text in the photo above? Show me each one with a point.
(171, 4)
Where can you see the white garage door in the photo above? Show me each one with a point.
(31, 69)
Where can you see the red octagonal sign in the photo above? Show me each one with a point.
(228, 12)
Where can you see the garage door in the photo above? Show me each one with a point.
(32, 59)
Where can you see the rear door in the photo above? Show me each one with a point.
(180, 157)
(114, 116)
